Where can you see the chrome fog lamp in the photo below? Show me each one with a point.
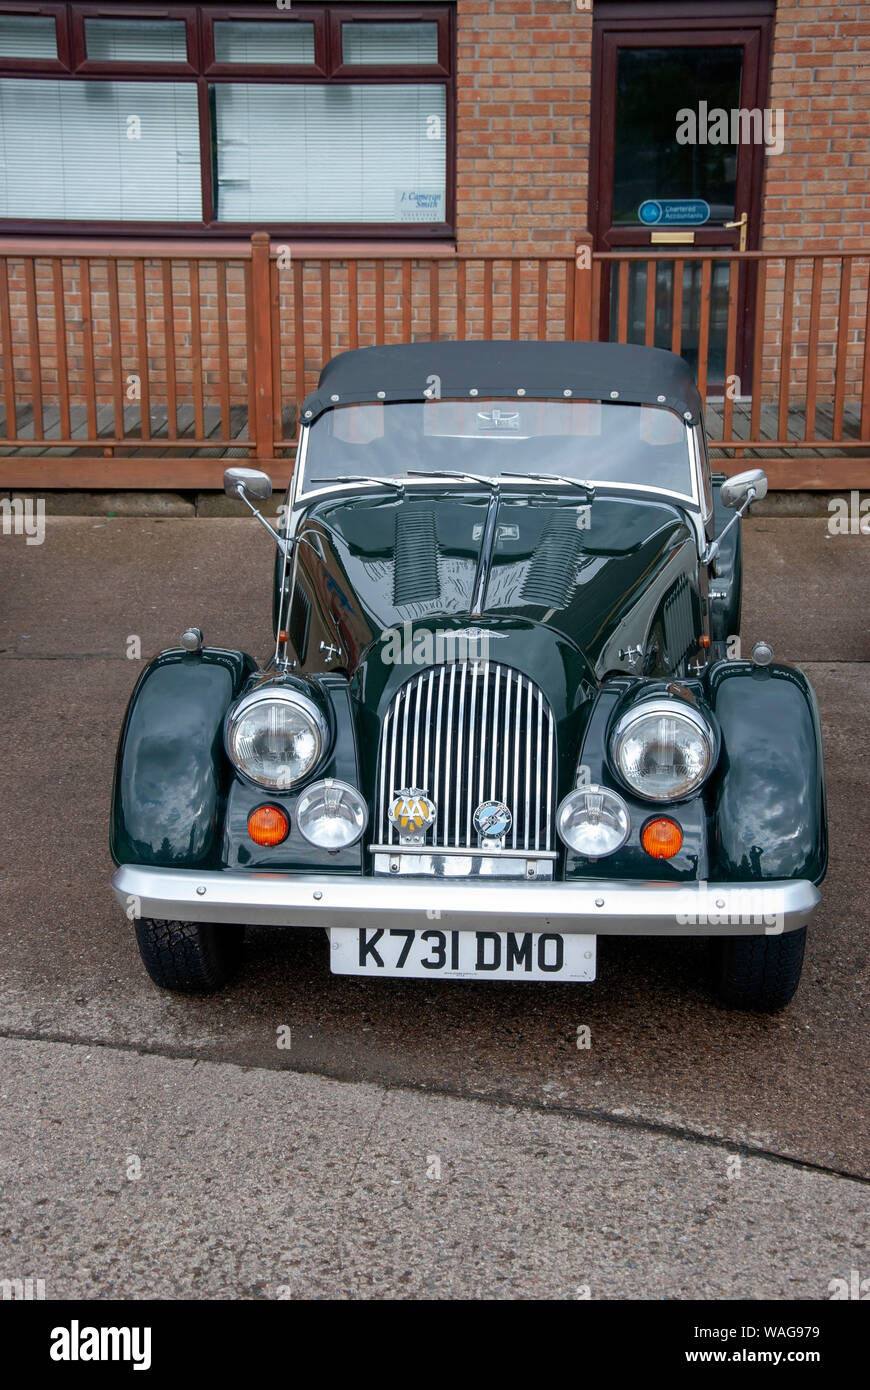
(593, 821)
(331, 814)
(663, 750)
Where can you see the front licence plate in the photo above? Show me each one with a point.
(461, 955)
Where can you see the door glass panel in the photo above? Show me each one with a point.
(652, 85)
(664, 310)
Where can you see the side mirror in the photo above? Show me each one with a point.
(255, 483)
(736, 490)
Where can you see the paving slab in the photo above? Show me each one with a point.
(129, 1176)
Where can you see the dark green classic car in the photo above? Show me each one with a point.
(507, 712)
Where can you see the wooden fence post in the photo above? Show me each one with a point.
(262, 428)
(584, 309)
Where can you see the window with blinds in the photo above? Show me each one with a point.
(201, 118)
(329, 154)
(113, 151)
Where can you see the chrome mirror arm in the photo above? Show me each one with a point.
(712, 550)
(282, 545)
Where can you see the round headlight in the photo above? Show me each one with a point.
(593, 821)
(663, 750)
(331, 814)
(275, 738)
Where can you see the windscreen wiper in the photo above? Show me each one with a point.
(556, 478)
(453, 473)
(362, 478)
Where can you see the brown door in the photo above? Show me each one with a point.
(664, 169)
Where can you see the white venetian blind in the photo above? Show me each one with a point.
(275, 42)
(343, 153)
(27, 36)
(65, 150)
(389, 43)
(136, 40)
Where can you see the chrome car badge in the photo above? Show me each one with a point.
(497, 419)
(492, 821)
(412, 812)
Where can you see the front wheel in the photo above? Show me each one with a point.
(193, 957)
(759, 972)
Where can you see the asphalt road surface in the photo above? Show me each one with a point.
(415, 1139)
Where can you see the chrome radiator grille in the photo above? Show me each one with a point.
(467, 732)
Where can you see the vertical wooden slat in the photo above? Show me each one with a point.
(60, 340)
(325, 312)
(785, 353)
(142, 348)
(730, 349)
(461, 325)
(261, 345)
(223, 349)
(33, 345)
(169, 342)
(379, 302)
(407, 301)
(250, 368)
(88, 348)
(758, 349)
(487, 297)
(596, 300)
(515, 299)
(842, 341)
(813, 347)
(865, 384)
(352, 304)
(677, 309)
(196, 347)
(649, 331)
(275, 320)
(622, 310)
(434, 318)
(117, 368)
(570, 291)
(8, 358)
(704, 328)
(298, 338)
(543, 267)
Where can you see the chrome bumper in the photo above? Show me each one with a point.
(604, 907)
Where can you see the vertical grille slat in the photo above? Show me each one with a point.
(465, 732)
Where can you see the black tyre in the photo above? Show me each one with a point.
(760, 972)
(194, 957)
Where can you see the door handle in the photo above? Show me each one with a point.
(742, 223)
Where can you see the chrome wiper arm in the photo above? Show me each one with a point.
(362, 478)
(555, 478)
(453, 473)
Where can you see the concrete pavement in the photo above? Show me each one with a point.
(672, 1083)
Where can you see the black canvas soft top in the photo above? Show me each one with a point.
(544, 370)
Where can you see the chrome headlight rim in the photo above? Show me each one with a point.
(668, 708)
(334, 783)
(609, 793)
(275, 695)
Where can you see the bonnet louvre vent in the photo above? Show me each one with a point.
(679, 622)
(415, 571)
(552, 574)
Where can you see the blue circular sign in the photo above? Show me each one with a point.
(650, 212)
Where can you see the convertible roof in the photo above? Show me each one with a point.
(589, 371)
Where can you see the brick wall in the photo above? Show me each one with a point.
(817, 192)
(523, 112)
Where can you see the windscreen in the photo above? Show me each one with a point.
(600, 442)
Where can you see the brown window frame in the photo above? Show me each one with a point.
(61, 63)
(202, 69)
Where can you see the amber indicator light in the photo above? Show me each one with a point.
(268, 825)
(662, 838)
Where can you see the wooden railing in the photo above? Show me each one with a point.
(151, 370)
